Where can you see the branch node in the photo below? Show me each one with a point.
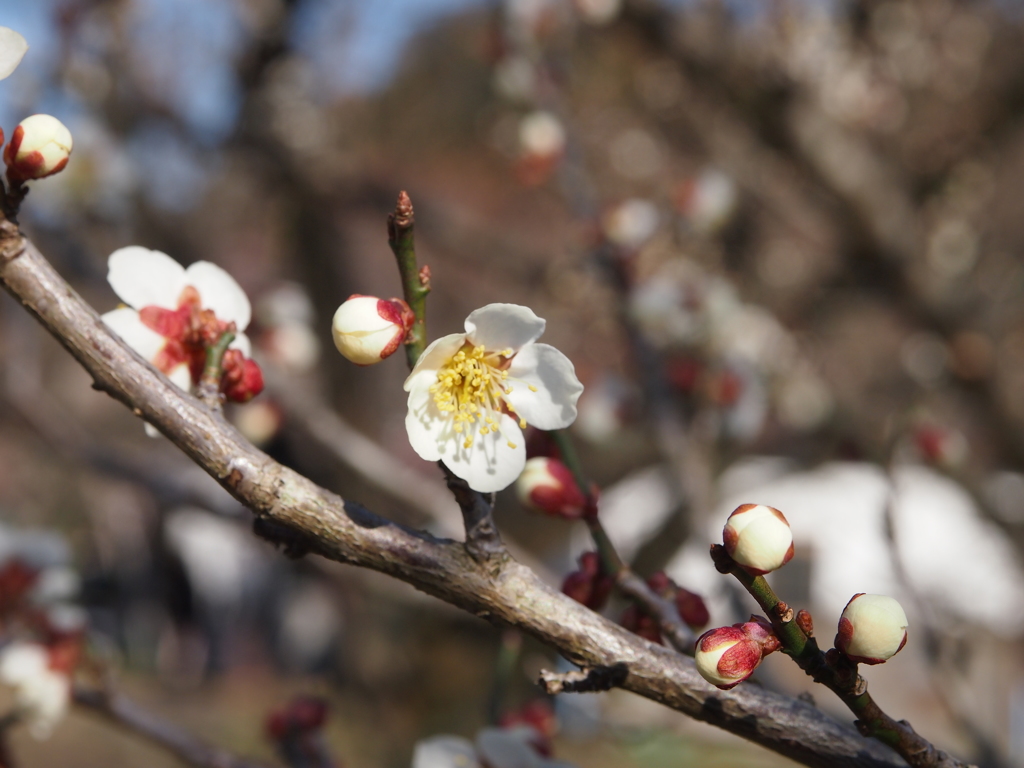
(588, 680)
(722, 560)
(483, 542)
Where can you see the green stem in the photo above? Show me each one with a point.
(213, 371)
(415, 281)
(570, 458)
(611, 562)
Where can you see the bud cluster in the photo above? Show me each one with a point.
(758, 539)
(690, 605)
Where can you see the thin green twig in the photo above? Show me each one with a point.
(415, 280)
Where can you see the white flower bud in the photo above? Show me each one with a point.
(727, 656)
(367, 329)
(39, 147)
(873, 628)
(758, 538)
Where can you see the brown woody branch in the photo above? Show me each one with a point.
(309, 518)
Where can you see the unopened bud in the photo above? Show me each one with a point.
(873, 628)
(692, 608)
(243, 378)
(727, 656)
(546, 485)
(367, 329)
(640, 623)
(590, 585)
(39, 147)
(689, 604)
(758, 538)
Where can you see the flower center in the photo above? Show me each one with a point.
(189, 330)
(473, 386)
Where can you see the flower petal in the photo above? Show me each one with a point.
(126, 323)
(503, 326)
(181, 376)
(492, 462)
(553, 404)
(424, 423)
(434, 356)
(142, 278)
(219, 291)
(242, 344)
(12, 49)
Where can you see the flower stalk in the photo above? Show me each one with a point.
(213, 372)
(415, 281)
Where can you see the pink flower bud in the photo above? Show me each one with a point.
(367, 329)
(640, 623)
(589, 585)
(727, 656)
(243, 379)
(546, 485)
(689, 604)
(40, 146)
(873, 628)
(692, 608)
(758, 538)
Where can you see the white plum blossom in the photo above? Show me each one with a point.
(12, 50)
(41, 693)
(471, 394)
(174, 314)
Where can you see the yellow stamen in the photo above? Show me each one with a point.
(532, 388)
(472, 388)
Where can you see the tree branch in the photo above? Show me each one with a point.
(122, 711)
(311, 518)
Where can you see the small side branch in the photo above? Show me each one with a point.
(836, 672)
(483, 541)
(123, 712)
(415, 281)
(590, 680)
(632, 586)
